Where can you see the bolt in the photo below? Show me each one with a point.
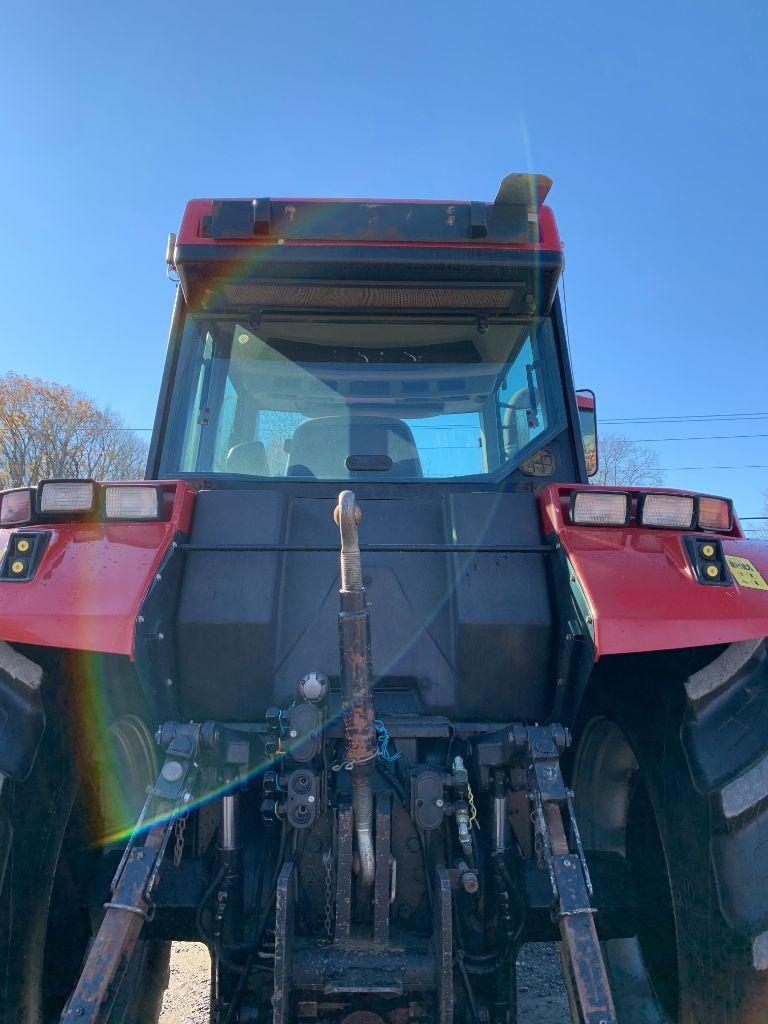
(158, 576)
(310, 799)
(469, 882)
(439, 802)
(186, 796)
(567, 862)
(139, 855)
(172, 771)
(140, 619)
(293, 734)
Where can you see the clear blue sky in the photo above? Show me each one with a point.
(650, 117)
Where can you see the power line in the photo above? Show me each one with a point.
(702, 418)
(678, 469)
(701, 437)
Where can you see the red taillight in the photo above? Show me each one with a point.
(16, 507)
(715, 513)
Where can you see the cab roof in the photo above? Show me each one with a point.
(517, 217)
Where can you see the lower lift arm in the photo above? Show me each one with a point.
(584, 971)
(135, 879)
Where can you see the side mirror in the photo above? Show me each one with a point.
(587, 406)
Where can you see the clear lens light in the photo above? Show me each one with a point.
(67, 496)
(675, 511)
(131, 502)
(15, 507)
(600, 509)
(714, 514)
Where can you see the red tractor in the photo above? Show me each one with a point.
(365, 685)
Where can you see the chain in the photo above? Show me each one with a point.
(472, 809)
(327, 860)
(178, 828)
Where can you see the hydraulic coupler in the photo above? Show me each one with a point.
(356, 679)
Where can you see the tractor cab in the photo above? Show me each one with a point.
(381, 343)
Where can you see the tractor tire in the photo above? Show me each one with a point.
(45, 922)
(671, 771)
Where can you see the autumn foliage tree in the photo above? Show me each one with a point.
(53, 431)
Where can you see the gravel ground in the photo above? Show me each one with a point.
(188, 997)
(541, 994)
(541, 997)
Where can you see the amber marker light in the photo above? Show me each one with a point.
(715, 513)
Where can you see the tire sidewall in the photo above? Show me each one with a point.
(39, 812)
(716, 977)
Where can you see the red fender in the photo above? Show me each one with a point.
(89, 586)
(642, 590)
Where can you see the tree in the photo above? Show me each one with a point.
(53, 431)
(624, 463)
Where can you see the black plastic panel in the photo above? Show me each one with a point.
(329, 220)
(468, 634)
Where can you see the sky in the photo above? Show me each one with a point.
(651, 118)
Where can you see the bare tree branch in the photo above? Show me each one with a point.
(624, 463)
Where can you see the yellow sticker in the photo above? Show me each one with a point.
(745, 574)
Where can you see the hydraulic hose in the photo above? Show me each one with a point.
(356, 675)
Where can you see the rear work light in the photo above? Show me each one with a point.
(131, 502)
(671, 511)
(16, 507)
(600, 508)
(66, 496)
(715, 514)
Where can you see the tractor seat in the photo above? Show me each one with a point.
(320, 447)
(249, 458)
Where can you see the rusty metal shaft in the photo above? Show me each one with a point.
(356, 680)
(112, 949)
